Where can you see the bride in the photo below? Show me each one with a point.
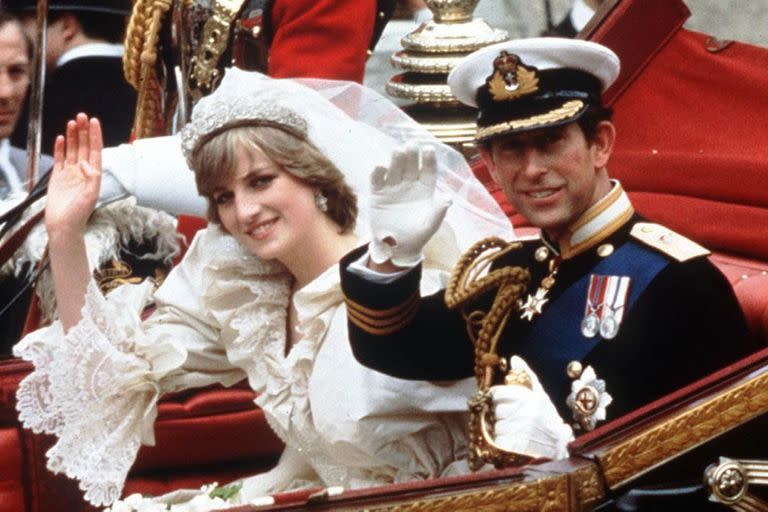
(285, 167)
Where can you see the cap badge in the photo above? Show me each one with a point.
(510, 78)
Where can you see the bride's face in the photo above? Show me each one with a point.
(269, 211)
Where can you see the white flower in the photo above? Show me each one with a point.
(207, 488)
(137, 503)
(201, 503)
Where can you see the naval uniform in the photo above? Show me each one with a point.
(680, 320)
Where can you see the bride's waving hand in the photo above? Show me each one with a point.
(72, 193)
(76, 176)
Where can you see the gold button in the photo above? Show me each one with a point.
(605, 250)
(646, 229)
(574, 369)
(541, 254)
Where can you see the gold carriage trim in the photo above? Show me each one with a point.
(204, 72)
(568, 110)
(685, 431)
(382, 321)
(547, 493)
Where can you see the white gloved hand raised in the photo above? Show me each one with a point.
(526, 419)
(405, 208)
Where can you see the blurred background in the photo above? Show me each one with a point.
(742, 20)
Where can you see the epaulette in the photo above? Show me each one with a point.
(472, 276)
(666, 241)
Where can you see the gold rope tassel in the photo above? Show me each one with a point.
(472, 278)
(141, 49)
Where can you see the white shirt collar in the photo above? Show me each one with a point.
(581, 13)
(91, 50)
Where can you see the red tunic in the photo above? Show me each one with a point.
(321, 38)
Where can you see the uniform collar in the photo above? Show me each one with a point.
(596, 224)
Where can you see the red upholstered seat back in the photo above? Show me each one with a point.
(691, 143)
(691, 152)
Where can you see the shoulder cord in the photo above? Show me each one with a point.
(484, 329)
(141, 46)
(466, 285)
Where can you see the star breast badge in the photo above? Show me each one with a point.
(533, 304)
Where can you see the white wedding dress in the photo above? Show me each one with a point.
(221, 317)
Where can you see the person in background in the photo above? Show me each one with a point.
(577, 18)
(15, 59)
(84, 38)
(15, 63)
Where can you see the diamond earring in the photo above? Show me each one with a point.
(321, 201)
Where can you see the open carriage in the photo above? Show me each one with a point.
(691, 153)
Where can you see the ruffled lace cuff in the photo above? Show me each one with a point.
(93, 391)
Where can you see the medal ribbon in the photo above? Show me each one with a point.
(615, 306)
(596, 294)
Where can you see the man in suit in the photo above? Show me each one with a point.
(578, 16)
(15, 59)
(85, 71)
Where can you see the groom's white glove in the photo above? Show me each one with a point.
(405, 208)
(155, 172)
(526, 419)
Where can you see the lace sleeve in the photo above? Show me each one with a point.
(95, 388)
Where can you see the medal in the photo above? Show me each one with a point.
(604, 310)
(609, 327)
(590, 324)
(588, 399)
(533, 303)
(617, 288)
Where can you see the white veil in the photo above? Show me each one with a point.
(357, 129)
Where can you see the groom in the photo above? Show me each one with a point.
(623, 307)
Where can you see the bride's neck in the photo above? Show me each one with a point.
(318, 253)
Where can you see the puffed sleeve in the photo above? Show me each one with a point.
(96, 387)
